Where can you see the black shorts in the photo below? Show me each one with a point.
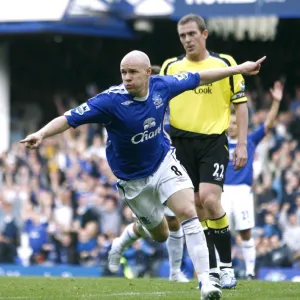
(205, 159)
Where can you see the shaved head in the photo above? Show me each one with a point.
(136, 70)
(137, 58)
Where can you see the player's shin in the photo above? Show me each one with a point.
(220, 233)
(128, 237)
(119, 245)
(175, 244)
(249, 253)
(213, 266)
(197, 248)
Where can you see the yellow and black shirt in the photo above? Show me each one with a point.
(206, 109)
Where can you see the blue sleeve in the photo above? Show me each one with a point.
(258, 134)
(96, 110)
(181, 82)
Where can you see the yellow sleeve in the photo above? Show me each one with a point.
(237, 83)
(165, 67)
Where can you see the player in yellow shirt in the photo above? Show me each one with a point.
(198, 121)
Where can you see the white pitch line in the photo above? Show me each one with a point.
(84, 296)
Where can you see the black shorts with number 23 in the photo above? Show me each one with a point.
(205, 158)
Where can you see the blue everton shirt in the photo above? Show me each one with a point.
(136, 143)
(244, 175)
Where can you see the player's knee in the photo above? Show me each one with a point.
(211, 203)
(160, 237)
(245, 234)
(199, 205)
(162, 241)
(201, 213)
(173, 223)
(193, 226)
(186, 213)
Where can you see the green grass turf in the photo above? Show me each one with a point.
(34, 288)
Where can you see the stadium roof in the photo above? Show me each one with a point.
(109, 17)
(85, 17)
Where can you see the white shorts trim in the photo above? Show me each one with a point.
(238, 202)
(146, 196)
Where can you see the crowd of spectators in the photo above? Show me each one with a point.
(59, 204)
(276, 187)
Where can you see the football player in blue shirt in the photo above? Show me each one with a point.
(237, 198)
(139, 153)
(175, 241)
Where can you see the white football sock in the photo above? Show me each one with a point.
(175, 249)
(197, 248)
(249, 253)
(127, 238)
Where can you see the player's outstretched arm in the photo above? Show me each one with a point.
(247, 68)
(277, 94)
(54, 127)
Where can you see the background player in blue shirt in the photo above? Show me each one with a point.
(237, 198)
(139, 153)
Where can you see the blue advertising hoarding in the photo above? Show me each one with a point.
(279, 274)
(232, 8)
(44, 271)
(268, 274)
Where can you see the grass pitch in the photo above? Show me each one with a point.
(34, 288)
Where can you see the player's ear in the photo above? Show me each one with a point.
(205, 33)
(148, 71)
